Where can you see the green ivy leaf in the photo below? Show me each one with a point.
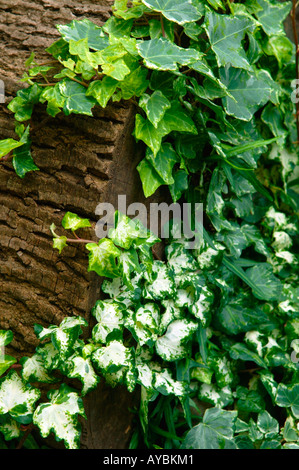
(102, 258)
(226, 34)
(60, 416)
(163, 162)
(73, 222)
(262, 276)
(249, 91)
(288, 397)
(154, 106)
(215, 432)
(22, 159)
(81, 29)
(76, 100)
(7, 145)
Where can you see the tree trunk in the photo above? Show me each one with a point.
(83, 161)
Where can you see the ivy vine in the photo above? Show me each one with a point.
(219, 324)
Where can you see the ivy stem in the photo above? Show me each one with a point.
(79, 240)
(293, 16)
(162, 25)
(7, 157)
(25, 435)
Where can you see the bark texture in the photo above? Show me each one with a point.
(82, 161)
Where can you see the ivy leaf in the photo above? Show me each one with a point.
(76, 100)
(129, 265)
(6, 337)
(162, 54)
(81, 368)
(235, 317)
(262, 276)
(113, 357)
(160, 284)
(134, 84)
(22, 105)
(60, 416)
(9, 428)
(63, 336)
(249, 91)
(288, 397)
(270, 15)
(215, 432)
(226, 34)
(102, 90)
(34, 370)
(102, 258)
(7, 145)
(144, 324)
(73, 222)
(240, 351)
(267, 424)
(152, 137)
(17, 398)
(81, 29)
(164, 162)
(126, 231)
(154, 106)
(22, 159)
(173, 345)
(179, 11)
(110, 316)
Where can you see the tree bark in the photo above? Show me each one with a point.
(83, 161)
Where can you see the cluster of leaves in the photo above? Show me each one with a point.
(217, 324)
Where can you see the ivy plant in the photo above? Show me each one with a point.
(215, 326)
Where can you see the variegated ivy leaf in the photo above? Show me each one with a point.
(220, 397)
(50, 356)
(180, 12)
(9, 427)
(180, 259)
(209, 258)
(174, 344)
(129, 265)
(81, 29)
(126, 231)
(144, 324)
(110, 316)
(60, 416)
(63, 336)
(113, 357)
(81, 368)
(17, 398)
(102, 258)
(165, 55)
(166, 385)
(34, 369)
(152, 377)
(160, 283)
(172, 312)
(201, 308)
